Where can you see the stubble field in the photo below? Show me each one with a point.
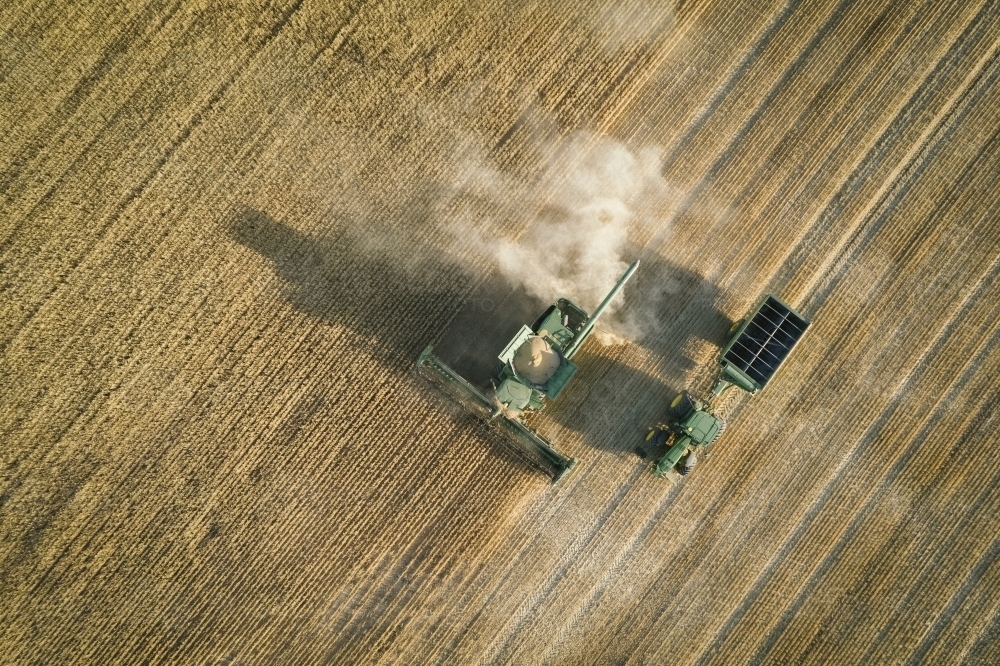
(227, 231)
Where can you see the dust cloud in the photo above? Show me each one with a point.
(574, 224)
(619, 24)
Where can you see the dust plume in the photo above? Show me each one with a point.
(620, 24)
(574, 226)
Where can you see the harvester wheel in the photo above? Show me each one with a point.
(681, 405)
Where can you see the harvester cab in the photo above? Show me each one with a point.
(535, 366)
(759, 344)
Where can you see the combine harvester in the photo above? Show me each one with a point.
(758, 346)
(535, 366)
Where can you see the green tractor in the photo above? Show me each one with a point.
(692, 427)
(758, 345)
(535, 367)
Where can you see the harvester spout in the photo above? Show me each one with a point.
(588, 325)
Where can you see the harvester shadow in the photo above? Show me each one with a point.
(393, 303)
(341, 280)
(396, 304)
(488, 320)
(390, 309)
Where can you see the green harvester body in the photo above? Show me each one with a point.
(535, 366)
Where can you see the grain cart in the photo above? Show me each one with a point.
(535, 366)
(758, 346)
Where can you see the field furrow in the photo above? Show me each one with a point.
(226, 233)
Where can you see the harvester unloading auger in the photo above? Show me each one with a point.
(535, 366)
(758, 345)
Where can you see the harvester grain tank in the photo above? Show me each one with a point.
(756, 349)
(535, 367)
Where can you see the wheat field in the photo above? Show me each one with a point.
(228, 229)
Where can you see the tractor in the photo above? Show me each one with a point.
(758, 346)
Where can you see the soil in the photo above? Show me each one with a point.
(227, 232)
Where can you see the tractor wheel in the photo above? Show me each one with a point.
(657, 437)
(681, 405)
